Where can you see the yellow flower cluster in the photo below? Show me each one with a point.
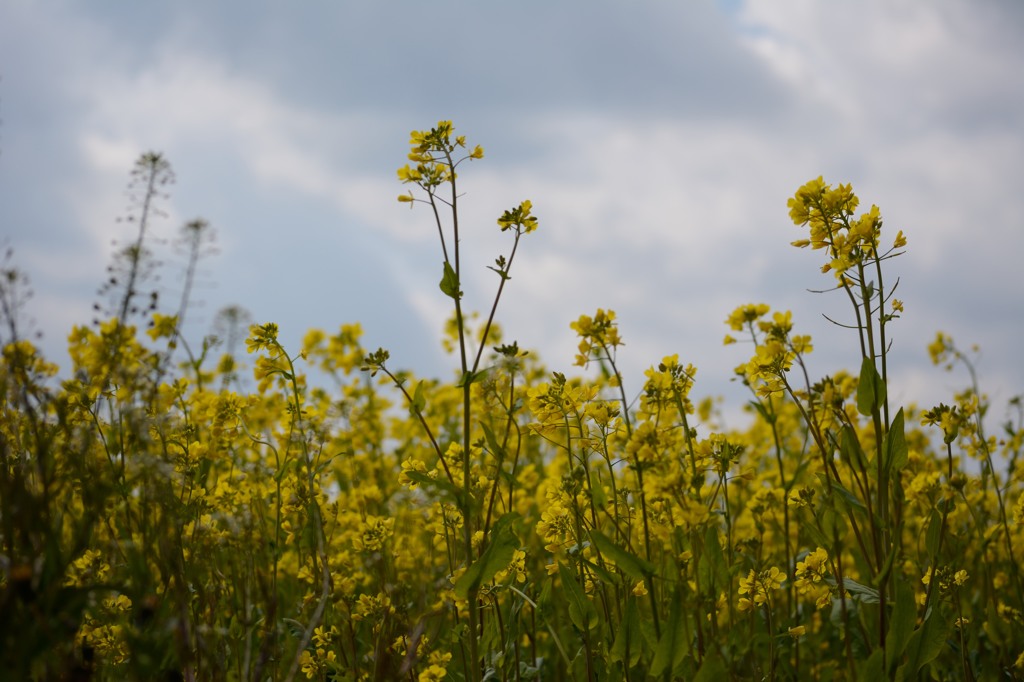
(757, 588)
(513, 524)
(831, 215)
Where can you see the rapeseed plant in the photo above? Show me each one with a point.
(516, 523)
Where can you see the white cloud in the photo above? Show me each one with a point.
(675, 225)
(894, 66)
(670, 217)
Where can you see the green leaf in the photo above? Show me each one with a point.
(896, 444)
(628, 645)
(503, 544)
(816, 535)
(295, 627)
(672, 645)
(870, 389)
(883, 574)
(931, 536)
(868, 595)
(719, 571)
(468, 378)
(768, 417)
(419, 401)
(833, 526)
(850, 450)
(711, 670)
(597, 492)
(450, 282)
(873, 669)
(848, 498)
(602, 574)
(995, 625)
(901, 625)
(632, 565)
(501, 273)
(492, 443)
(925, 644)
(581, 611)
(705, 575)
(442, 484)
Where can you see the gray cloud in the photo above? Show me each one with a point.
(658, 143)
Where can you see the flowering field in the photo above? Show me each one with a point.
(346, 520)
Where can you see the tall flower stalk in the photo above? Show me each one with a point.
(435, 156)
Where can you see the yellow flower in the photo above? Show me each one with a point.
(261, 336)
(759, 586)
(519, 218)
(516, 568)
(119, 603)
(939, 349)
(309, 665)
(322, 637)
(164, 326)
(374, 533)
(432, 673)
(409, 174)
(743, 316)
(812, 569)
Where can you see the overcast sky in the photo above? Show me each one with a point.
(658, 142)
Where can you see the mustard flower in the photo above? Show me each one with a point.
(374, 532)
(520, 218)
(120, 603)
(812, 569)
(322, 636)
(758, 587)
(163, 326)
(829, 213)
(261, 336)
(372, 608)
(949, 419)
(669, 383)
(940, 349)
(313, 664)
(645, 445)
(597, 334)
(802, 496)
(432, 673)
(516, 567)
(742, 317)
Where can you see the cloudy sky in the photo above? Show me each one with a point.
(658, 142)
